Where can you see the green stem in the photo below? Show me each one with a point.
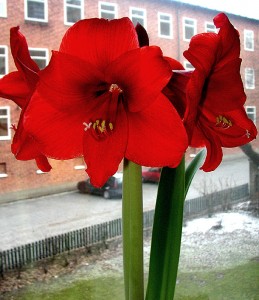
(132, 224)
(166, 236)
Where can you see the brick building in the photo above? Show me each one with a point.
(170, 25)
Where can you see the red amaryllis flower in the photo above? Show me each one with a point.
(19, 86)
(213, 109)
(100, 97)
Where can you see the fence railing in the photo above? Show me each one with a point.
(20, 256)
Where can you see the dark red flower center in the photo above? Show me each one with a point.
(223, 122)
(105, 124)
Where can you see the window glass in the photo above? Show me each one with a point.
(138, 15)
(3, 61)
(251, 112)
(249, 40)
(189, 28)
(107, 10)
(165, 25)
(40, 56)
(5, 131)
(3, 8)
(36, 10)
(73, 11)
(249, 78)
(210, 27)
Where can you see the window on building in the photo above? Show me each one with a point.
(108, 10)
(189, 28)
(5, 123)
(188, 66)
(210, 27)
(40, 56)
(165, 28)
(36, 10)
(3, 171)
(3, 9)
(138, 15)
(73, 11)
(249, 78)
(3, 60)
(251, 112)
(249, 40)
(79, 163)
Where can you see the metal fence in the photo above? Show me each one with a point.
(20, 256)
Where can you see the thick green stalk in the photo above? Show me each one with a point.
(132, 218)
(166, 236)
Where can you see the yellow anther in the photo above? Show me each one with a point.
(111, 126)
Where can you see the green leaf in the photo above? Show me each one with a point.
(192, 168)
(132, 218)
(167, 232)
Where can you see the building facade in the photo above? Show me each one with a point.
(169, 24)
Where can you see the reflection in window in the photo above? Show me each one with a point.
(188, 66)
(165, 25)
(73, 11)
(36, 10)
(251, 112)
(189, 28)
(3, 171)
(40, 56)
(249, 40)
(108, 10)
(249, 78)
(5, 123)
(138, 15)
(210, 27)
(3, 9)
(3, 60)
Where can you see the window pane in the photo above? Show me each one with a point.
(107, 7)
(35, 10)
(73, 14)
(3, 112)
(189, 32)
(3, 127)
(38, 53)
(2, 66)
(165, 28)
(74, 2)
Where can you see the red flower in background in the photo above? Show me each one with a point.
(211, 98)
(19, 86)
(100, 97)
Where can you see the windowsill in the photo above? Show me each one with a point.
(3, 175)
(82, 167)
(41, 172)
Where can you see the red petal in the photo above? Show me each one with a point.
(43, 164)
(156, 135)
(100, 41)
(214, 151)
(103, 156)
(22, 59)
(13, 87)
(70, 83)
(136, 72)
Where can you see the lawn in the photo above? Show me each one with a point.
(239, 283)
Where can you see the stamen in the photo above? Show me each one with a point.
(101, 128)
(115, 88)
(247, 134)
(87, 126)
(223, 122)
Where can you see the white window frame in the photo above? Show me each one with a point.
(5, 56)
(169, 22)
(8, 117)
(208, 29)
(46, 58)
(249, 72)
(188, 66)
(79, 7)
(194, 26)
(114, 5)
(45, 2)
(248, 34)
(142, 10)
(252, 111)
(3, 9)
